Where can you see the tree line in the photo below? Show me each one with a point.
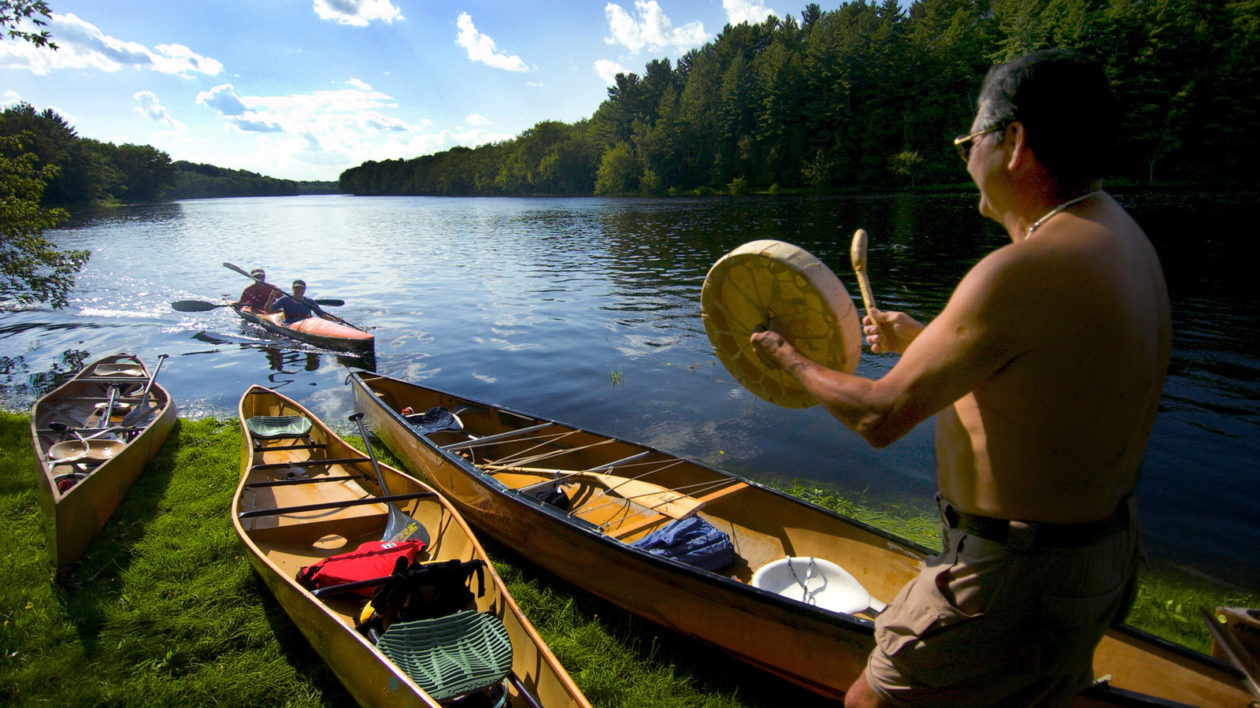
(87, 172)
(871, 95)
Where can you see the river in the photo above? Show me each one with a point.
(587, 310)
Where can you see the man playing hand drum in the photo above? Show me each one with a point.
(1044, 373)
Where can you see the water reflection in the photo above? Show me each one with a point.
(20, 380)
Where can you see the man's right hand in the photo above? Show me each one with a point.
(889, 332)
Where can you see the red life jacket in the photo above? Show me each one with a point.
(374, 559)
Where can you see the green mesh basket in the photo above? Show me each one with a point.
(451, 655)
(278, 426)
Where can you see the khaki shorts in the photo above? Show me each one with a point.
(986, 625)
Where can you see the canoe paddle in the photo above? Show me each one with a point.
(143, 406)
(400, 527)
(1235, 651)
(857, 252)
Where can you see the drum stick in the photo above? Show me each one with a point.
(858, 253)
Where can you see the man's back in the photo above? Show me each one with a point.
(1058, 433)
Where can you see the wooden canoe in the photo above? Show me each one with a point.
(317, 331)
(319, 468)
(90, 453)
(616, 492)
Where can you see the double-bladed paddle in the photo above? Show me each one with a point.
(203, 306)
(400, 527)
(328, 315)
(332, 301)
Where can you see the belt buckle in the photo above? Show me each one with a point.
(1021, 536)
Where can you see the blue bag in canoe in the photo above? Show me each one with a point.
(693, 541)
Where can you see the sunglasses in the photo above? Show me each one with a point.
(963, 143)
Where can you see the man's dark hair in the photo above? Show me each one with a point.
(1064, 100)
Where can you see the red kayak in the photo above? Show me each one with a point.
(318, 331)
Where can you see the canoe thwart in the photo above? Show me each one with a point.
(299, 480)
(308, 463)
(452, 655)
(495, 438)
(278, 511)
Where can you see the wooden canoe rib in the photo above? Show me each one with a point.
(308, 496)
(93, 437)
(580, 518)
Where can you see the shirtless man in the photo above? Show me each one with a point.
(1044, 372)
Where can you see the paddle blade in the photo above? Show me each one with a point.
(333, 302)
(238, 269)
(195, 305)
(404, 528)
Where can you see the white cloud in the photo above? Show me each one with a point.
(9, 98)
(357, 13)
(608, 70)
(652, 30)
(751, 11)
(476, 119)
(222, 99)
(317, 134)
(480, 48)
(152, 109)
(82, 46)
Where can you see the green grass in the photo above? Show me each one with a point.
(165, 609)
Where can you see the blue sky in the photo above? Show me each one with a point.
(303, 89)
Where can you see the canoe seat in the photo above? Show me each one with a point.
(269, 427)
(452, 655)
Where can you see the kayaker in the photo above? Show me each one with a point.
(259, 295)
(297, 306)
(1044, 372)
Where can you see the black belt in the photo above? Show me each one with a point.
(1027, 535)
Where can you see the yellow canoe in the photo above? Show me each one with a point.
(574, 501)
(93, 435)
(305, 495)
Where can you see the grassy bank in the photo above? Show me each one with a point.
(166, 610)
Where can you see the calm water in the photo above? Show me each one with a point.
(587, 310)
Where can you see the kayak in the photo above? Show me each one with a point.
(784, 585)
(325, 334)
(93, 435)
(309, 506)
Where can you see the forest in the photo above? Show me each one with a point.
(89, 172)
(870, 96)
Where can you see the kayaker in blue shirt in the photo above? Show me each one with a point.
(297, 307)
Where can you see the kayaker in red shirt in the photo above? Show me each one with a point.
(259, 296)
